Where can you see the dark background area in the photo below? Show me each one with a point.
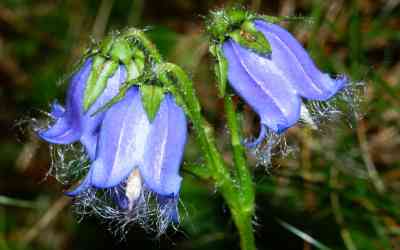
(340, 186)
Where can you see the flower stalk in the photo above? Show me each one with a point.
(246, 196)
(237, 188)
(243, 174)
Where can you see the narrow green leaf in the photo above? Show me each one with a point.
(7, 201)
(221, 69)
(222, 72)
(303, 235)
(200, 170)
(152, 97)
(97, 81)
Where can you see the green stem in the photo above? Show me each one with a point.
(243, 214)
(203, 131)
(238, 194)
(150, 48)
(240, 203)
(239, 156)
(244, 225)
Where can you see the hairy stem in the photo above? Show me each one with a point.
(243, 176)
(237, 190)
(203, 130)
(243, 214)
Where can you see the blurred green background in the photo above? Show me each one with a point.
(340, 186)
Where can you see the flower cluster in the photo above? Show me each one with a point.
(134, 148)
(127, 108)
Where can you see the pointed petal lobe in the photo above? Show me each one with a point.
(67, 128)
(62, 132)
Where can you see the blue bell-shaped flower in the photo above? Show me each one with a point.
(138, 153)
(274, 83)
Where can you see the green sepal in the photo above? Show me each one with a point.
(106, 44)
(132, 70)
(139, 59)
(152, 96)
(220, 68)
(118, 48)
(218, 25)
(101, 71)
(248, 36)
(121, 51)
(237, 15)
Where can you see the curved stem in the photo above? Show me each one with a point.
(204, 131)
(238, 190)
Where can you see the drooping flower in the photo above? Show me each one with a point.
(138, 155)
(73, 123)
(268, 68)
(273, 84)
(133, 136)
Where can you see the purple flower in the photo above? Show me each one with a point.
(73, 123)
(274, 84)
(138, 154)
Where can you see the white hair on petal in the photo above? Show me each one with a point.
(345, 105)
(146, 212)
(69, 163)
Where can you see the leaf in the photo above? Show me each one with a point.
(221, 69)
(152, 97)
(303, 235)
(7, 201)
